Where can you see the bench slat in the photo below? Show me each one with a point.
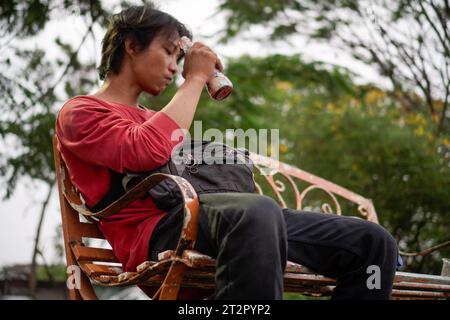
(422, 286)
(418, 294)
(298, 278)
(422, 278)
(303, 279)
(90, 230)
(83, 253)
(98, 270)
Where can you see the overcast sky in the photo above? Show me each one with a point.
(20, 214)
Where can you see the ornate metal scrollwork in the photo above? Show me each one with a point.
(363, 211)
(270, 181)
(258, 188)
(279, 187)
(269, 169)
(325, 206)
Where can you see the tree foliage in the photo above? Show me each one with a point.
(407, 40)
(33, 86)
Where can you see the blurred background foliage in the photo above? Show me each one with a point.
(390, 145)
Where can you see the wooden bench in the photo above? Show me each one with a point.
(184, 267)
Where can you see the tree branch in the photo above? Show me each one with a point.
(427, 17)
(69, 64)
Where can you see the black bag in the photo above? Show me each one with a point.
(210, 167)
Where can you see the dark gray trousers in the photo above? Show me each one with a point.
(251, 237)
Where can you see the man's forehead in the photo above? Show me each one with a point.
(172, 39)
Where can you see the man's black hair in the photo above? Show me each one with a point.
(140, 23)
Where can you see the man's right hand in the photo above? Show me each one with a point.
(200, 62)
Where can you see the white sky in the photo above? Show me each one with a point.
(19, 215)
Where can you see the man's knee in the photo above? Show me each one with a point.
(259, 213)
(265, 229)
(262, 208)
(381, 240)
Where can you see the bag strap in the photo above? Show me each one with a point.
(120, 183)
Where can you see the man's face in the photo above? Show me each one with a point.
(155, 66)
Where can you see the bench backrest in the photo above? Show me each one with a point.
(284, 181)
(76, 234)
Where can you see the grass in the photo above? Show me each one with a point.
(58, 273)
(298, 296)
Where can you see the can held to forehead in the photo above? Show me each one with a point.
(219, 86)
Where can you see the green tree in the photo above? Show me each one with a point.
(370, 150)
(407, 40)
(33, 87)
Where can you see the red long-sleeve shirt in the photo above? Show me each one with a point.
(95, 135)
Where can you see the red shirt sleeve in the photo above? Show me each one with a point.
(99, 135)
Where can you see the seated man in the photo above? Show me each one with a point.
(249, 235)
